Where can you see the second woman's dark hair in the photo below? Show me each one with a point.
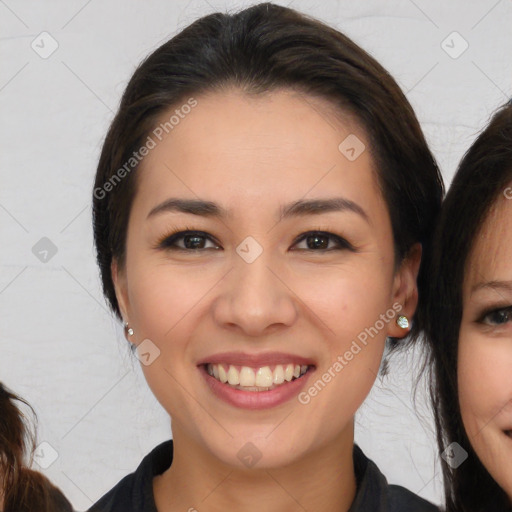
(22, 489)
(260, 49)
(480, 182)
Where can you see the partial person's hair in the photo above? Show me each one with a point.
(258, 50)
(22, 489)
(482, 176)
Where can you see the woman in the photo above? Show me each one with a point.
(469, 325)
(21, 489)
(260, 207)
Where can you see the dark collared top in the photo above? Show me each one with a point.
(134, 493)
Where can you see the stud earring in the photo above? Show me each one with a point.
(403, 322)
(128, 330)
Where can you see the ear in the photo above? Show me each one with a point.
(405, 290)
(121, 289)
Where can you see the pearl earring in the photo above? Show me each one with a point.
(128, 330)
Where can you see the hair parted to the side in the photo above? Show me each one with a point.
(480, 181)
(260, 49)
(22, 489)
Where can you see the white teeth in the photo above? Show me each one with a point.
(233, 376)
(223, 377)
(260, 379)
(278, 375)
(264, 377)
(247, 377)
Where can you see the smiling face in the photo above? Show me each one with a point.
(485, 346)
(255, 290)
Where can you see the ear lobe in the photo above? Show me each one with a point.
(406, 290)
(119, 280)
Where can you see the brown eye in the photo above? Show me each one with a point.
(318, 241)
(192, 240)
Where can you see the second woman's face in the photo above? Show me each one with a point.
(287, 268)
(485, 346)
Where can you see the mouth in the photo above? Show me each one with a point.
(251, 382)
(508, 433)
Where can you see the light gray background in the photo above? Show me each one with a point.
(60, 347)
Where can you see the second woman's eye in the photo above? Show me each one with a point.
(497, 316)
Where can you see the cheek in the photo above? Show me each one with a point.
(484, 379)
(165, 303)
(356, 307)
(162, 296)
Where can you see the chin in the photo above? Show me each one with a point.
(256, 450)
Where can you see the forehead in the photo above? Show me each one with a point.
(235, 148)
(491, 256)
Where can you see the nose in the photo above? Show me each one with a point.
(254, 298)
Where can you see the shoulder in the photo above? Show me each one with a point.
(134, 493)
(119, 498)
(401, 499)
(374, 492)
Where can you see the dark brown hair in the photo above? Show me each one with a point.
(23, 489)
(481, 179)
(260, 49)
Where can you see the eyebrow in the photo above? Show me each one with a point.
(295, 209)
(493, 285)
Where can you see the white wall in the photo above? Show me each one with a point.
(60, 348)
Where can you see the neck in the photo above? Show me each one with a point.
(322, 479)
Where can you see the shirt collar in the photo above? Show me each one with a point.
(371, 491)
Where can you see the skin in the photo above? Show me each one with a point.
(252, 155)
(485, 345)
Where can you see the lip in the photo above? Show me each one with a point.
(254, 400)
(256, 360)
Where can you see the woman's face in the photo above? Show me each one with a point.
(255, 290)
(485, 346)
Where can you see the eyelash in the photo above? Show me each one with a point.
(484, 317)
(166, 242)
